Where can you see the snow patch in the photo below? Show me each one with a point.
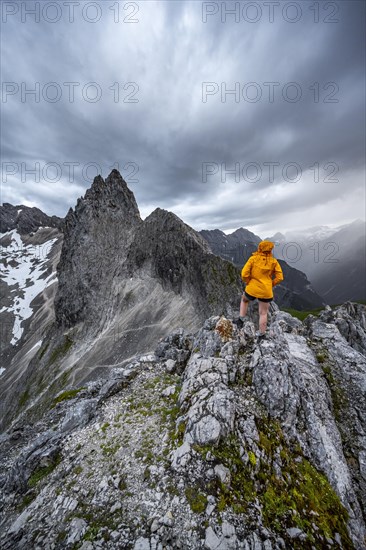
(27, 264)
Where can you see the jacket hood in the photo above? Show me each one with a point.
(265, 246)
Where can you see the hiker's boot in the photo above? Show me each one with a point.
(239, 323)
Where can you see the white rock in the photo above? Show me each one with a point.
(154, 526)
(170, 365)
(294, 532)
(223, 473)
(76, 530)
(228, 530)
(19, 522)
(115, 535)
(181, 456)
(168, 391)
(212, 541)
(142, 544)
(115, 507)
(206, 431)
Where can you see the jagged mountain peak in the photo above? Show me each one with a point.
(111, 193)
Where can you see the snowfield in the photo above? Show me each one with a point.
(22, 267)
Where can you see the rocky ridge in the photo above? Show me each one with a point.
(26, 219)
(214, 441)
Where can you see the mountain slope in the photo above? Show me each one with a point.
(28, 284)
(213, 441)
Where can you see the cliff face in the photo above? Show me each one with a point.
(97, 237)
(214, 441)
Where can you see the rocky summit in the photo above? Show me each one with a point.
(215, 441)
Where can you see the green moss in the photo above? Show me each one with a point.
(92, 533)
(241, 490)
(177, 435)
(105, 426)
(172, 490)
(252, 458)
(128, 297)
(311, 496)
(196, 499)
(61, 536)
(321, 357)
(43, 350)
(61, 350)
(23, 398)
(109, 450)
(43, 471)
(68, 394)
(302, 497)
(65, 377)
(339, 397)
(27, 499)
(122, 486)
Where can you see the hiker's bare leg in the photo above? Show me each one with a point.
(263, 313)
(243, 306)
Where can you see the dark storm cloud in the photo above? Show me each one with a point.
(170, 133)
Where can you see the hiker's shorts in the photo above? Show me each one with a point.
(251, 298)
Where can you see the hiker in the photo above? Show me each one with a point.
(258, 275)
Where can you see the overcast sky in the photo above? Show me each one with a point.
(148, 92)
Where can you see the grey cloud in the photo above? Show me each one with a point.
(170, 132)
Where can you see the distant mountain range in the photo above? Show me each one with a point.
(295, 291)
(333, 259)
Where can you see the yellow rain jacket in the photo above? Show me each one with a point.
(259, 271)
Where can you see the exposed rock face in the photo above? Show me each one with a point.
(25, 219)
(97, 237)
(167, 249)
(214, 441)
(295, 291)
